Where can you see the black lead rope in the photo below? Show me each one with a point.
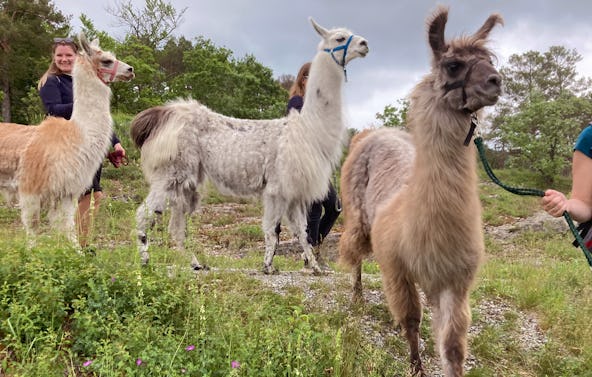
(527, 191)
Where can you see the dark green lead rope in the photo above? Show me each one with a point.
(533, 192)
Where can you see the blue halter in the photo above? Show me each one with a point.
(338, 48)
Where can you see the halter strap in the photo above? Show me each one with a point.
(343, 47)
(112, 73)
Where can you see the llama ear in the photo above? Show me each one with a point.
(95, 43)
(321, 30)
(84, 44)
(484, 30)
(436, 27)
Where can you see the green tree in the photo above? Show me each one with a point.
(152, 25)
(544, 107)
(546, 148)
(240, 88)
(25, 45)
(394, 115)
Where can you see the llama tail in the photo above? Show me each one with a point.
(354, 244)
(146, 123)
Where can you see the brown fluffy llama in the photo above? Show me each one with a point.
(53, 163)
(412, 199)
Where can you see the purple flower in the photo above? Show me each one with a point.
(139, 362)
(235, 364)
(190, 347)
(112, 279)
(87, 363)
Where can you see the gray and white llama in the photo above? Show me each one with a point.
(412, 199)
(50, 165)
(287, 162)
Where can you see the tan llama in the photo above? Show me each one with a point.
(412, 199)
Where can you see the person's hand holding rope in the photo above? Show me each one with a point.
(554, 203)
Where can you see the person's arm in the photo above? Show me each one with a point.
(579, 206)
(51, 96)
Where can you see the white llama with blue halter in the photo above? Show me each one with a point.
(287, 162)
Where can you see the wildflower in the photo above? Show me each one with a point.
(235, 364)
(87, 363)
(139, 362)
(190, 347)
(183, 370)
(112, 279)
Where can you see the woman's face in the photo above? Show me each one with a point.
(64, 57)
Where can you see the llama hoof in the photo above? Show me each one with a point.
(89, 250)
(200, 267)
(144, 258)
(270, 270)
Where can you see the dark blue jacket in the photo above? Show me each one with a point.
(57, 96)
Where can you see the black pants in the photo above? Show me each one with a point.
(319, 223)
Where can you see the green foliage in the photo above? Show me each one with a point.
(545, 131)
(542, 111)
(394, 116)
(26, 35)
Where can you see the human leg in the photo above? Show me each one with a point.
(88, 206)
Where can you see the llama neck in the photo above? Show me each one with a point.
(322, 102)
(91, 109)
(444, 168)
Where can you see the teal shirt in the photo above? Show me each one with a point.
(584, 142)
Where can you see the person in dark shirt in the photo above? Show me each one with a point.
(56, 92)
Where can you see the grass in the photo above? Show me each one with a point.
(62, 313)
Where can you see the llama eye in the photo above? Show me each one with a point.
(107, 62)
(454, 67)
(341, 39)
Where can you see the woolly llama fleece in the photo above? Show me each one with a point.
(53, 163)
(412, 199)
(287, 162)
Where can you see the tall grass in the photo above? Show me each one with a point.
(62, 313)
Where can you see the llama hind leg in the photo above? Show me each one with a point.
(404, 304)
(451, 320)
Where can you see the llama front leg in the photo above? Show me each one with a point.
(297, 219)
(30, 210)
(64, 217)
(180, 210)
(451, 320)
(145, 219)
(273, 209)
(403, 299)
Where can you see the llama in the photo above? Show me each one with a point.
(287, 162)
(50, 165)
(412, 200)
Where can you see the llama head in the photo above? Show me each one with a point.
(341, 43)
(105, 64)
(463, 67)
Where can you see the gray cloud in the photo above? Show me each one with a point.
(279, 35)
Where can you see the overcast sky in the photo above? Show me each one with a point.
(280, 36)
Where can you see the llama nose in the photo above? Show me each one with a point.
(495, 80)
(130, 69)
(364, 43)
